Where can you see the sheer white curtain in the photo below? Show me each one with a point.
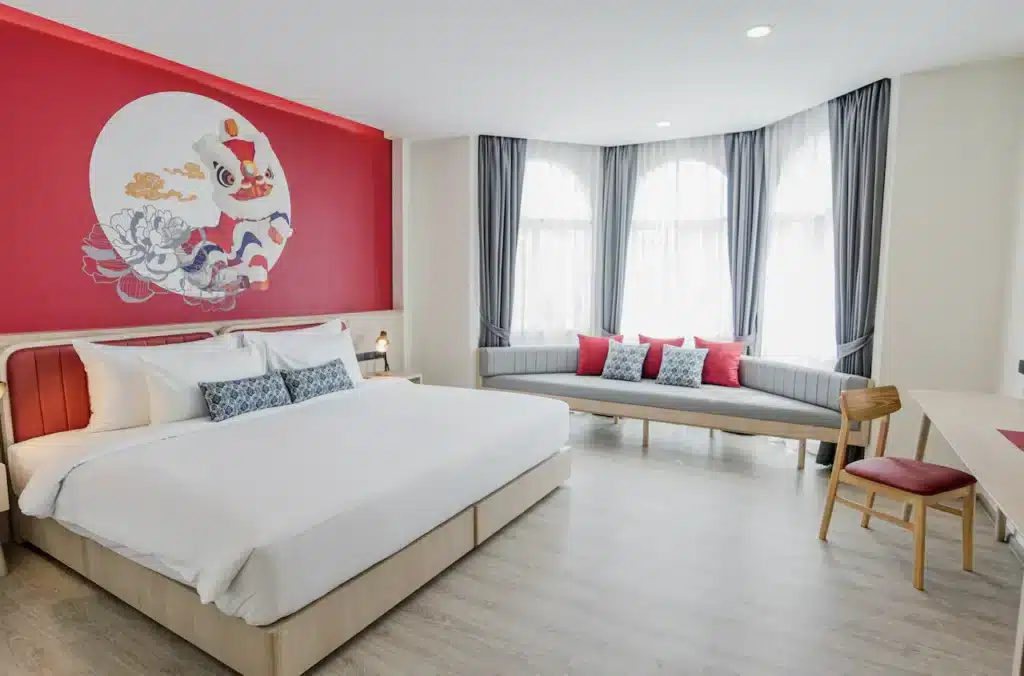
(799, 297)
(555, 260)
(677, 264)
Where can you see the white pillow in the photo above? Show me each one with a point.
(299, 351)
(118, 397)
(173, 379)
(331, 327)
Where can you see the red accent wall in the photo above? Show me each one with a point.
(61, 86)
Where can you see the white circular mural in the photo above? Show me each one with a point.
(190, 199)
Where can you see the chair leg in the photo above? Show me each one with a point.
(647, 433)
(826, 516)
(801, 457)
(968, 525)
(866, 518)
(920, 532)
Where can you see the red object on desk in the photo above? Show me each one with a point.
(1014, 437)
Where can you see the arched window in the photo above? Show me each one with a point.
(677, 265)
(554, 283)
(799, 298)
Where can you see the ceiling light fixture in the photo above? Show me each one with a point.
(663, 124)
(759, 31)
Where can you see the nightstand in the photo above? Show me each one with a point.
(4, 506)
(411, 377)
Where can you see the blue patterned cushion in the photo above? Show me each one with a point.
(682, 366)
(317, 381)
(625, 362)
(229, 398)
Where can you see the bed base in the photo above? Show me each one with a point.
(294, 644)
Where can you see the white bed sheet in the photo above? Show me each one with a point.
(265, 513)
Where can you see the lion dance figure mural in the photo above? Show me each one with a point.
(207, 230)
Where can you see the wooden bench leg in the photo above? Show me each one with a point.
(3, 563)
(801, 457)
(647, 432)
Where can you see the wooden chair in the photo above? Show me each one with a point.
(918, 484)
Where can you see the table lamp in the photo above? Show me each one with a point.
(382, 348)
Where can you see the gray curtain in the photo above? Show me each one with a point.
(501, 165)
(618, 187)
(859, 131)
(747, 228)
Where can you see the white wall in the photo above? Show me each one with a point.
(953, 199)
(1012, 383)
(441, 260)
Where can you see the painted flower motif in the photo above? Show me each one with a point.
(103, 264)
(147, 238)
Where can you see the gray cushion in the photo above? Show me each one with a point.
(624, 362)
(496, 361)
(814, 386)
(681, 366)
(741, 402)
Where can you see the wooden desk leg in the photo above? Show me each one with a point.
(1001, 535)
(922, 441)
(1018, 646)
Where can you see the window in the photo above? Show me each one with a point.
(555, 258)
(799, 298)
(677, 262)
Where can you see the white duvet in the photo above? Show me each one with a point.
(305, 496)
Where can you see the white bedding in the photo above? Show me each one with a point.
(269, 511)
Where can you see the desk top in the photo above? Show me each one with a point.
(970, 422)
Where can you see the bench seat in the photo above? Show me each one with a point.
(739, 402)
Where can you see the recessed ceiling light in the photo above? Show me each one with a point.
(663, 124)
(759, 31)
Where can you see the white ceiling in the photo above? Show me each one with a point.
(591, 71)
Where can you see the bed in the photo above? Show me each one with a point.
(270, 539)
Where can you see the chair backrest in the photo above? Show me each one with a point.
(870, 403)
(866, 404)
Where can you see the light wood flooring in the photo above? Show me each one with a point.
(700, 557)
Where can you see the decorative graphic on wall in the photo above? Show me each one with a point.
(189, 198)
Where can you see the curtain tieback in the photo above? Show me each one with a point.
(855, 345)
(499, 332)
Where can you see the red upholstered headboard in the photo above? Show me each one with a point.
(47, 389)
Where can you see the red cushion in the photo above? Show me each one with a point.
(593, 354)
(652, 362)
(722, 365)
(913, 476)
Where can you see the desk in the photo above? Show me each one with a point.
(970, 422)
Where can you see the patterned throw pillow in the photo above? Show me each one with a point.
(229, 398)
(317, 381)
(682, 366)
(625, 362)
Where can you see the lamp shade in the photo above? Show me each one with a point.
(383, 342)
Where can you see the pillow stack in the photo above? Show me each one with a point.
(665, 360)
(217, 377)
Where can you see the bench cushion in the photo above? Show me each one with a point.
(740, 402)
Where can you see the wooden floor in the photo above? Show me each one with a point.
(698, 558)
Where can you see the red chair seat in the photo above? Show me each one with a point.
(913, 476)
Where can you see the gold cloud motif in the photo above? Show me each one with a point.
(190, 170)
(149, 186)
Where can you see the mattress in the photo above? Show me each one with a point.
(265, 513)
